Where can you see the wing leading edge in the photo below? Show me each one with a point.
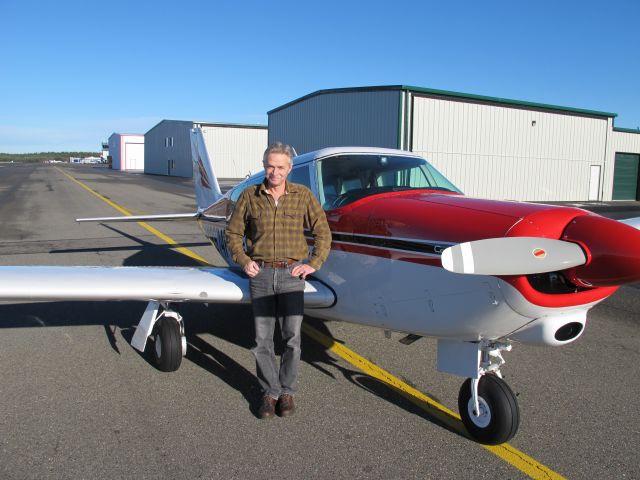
(170, 284)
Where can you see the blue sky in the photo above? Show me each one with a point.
(73, 72)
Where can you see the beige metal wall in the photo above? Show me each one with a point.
(500, 152)
(362, 118)
(236, 151)
(626, 142)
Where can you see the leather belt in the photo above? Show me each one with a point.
(280, 264)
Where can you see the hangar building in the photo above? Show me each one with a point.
(236, 150)
(489, 147)
(126, 151)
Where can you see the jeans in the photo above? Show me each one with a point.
(277, 295)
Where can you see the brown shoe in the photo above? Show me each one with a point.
(286, 406)
(267, 407)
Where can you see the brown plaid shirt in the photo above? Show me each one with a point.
(277, 233)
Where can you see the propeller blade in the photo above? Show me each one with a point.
(512, 256)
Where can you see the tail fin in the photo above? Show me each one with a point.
(207, 188)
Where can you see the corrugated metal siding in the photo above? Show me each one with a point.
(496, 151)
(157, 155)
(236, 151)
(625, 142)
(338, 119)
(114, 150)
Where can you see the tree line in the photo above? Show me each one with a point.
(44, 156)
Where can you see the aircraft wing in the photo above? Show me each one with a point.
(171, 284)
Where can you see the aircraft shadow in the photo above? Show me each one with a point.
(231, 323)
(318, 356)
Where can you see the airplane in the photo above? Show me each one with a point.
(410, 253)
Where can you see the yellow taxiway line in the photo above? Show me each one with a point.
(451, 419)
(146, 226)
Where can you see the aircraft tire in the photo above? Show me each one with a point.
(500, 414)
(167, 351)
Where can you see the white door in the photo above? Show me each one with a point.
(594, 182)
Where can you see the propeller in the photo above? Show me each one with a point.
(512, 256)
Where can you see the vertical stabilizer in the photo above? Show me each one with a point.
(207, 188)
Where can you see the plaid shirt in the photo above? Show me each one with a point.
(277, 233)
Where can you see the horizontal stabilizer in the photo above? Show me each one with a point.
(512, 256)
(143, 218)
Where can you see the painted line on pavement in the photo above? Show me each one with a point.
(146, 226)
(451, 419)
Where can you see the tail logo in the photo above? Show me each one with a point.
(204, 179)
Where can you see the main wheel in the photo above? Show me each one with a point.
(499, 414)
(167, 350)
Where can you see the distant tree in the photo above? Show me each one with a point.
(44, 156)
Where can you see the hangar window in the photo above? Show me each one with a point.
(347, 178)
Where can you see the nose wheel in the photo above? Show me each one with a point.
(497, 416)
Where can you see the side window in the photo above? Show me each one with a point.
(301, 175)
(238, 189)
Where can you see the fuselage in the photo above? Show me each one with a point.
(385, 267)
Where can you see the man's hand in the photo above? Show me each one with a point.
(302, 270)
(251, 269)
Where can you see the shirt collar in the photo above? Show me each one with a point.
(288, 187)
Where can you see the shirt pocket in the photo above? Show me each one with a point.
(293, 217)
(256, 220)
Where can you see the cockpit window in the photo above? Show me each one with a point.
(300, 175)
(346, 178)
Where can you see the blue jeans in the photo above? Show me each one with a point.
(276, 295)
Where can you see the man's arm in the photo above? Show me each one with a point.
(236, 229)
(319, 230)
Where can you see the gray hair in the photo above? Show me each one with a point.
(279, 147)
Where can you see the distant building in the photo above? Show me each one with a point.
(489, 147)
(126, 151)
(236, 150)
(105, 152)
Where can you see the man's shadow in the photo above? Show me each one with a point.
(231, 323)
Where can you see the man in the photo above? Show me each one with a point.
(272, 217)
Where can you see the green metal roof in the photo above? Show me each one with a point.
(447, 93)
(626, 130)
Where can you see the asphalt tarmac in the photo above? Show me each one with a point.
(77, 401)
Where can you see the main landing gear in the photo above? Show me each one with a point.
(488, 407)
(167, 329)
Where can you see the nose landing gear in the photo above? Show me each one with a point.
(497, 416)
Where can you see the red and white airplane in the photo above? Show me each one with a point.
(410, 253)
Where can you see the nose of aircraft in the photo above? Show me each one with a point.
(612, 248)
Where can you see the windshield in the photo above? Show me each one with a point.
(346, 178)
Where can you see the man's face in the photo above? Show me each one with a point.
(276, 168)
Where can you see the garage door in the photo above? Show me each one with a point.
(625, 176)
(134, 154)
